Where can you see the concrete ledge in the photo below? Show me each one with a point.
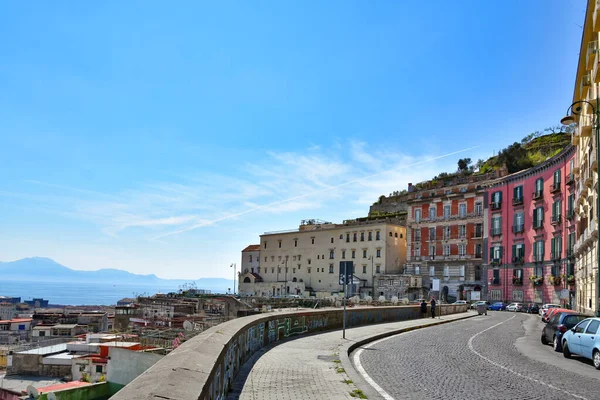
(204, 367)
(349, 348)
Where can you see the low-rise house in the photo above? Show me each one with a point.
(15, 330)
(96, 321)
(8, 310)
(41, 332)
(68, 330)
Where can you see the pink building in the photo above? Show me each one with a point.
(531, 233)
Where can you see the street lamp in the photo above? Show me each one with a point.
(234, 275)
(575, 109)
(372, 277)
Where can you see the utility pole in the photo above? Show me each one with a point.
(234, 276)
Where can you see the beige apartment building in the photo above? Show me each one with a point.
(306, 261)
(586, 164)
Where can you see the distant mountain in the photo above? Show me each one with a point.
(38, 269)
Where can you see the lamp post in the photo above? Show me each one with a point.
(372, 277)
(234, 275)
(576, 109)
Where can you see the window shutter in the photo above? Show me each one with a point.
(514, 251)
(491, 254)
(535, 250)
(515, 192)
(500, 255)
(559, 246)
(500, 197)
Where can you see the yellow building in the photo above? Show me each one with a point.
(586, 163)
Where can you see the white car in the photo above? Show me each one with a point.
(515, 307)
(460, 302)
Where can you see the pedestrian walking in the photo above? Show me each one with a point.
(423, 308)
(432, 307)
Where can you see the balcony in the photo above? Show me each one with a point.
(517, 280)
(517, 201)
(496, 205)
(570, 179)
(477, 234)
(555, 280)
(555, 187)
(584, 86)
(538, 194)
(556, 220)
(495, 231)
(590, 56)
(518, 228)
(495, 261)
(536, 280)
(519, 260)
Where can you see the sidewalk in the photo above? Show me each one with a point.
(317, 366)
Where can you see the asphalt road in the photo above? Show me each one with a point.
(498, 356)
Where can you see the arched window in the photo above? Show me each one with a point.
(294, 280)
(247, 280)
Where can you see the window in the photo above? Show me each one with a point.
(518, 222)
(331, 240)
(308, 261)
(446, 250)
(538, 217)
(98, 369)
(496, 225)
(378, 253)
(42, 333)
(343, 254)
(417, 270)
(309, 269)
(431, 271)
(417, 251)
(272, 258)
(331, 268)
(446, 212)
(390, 234)
(462, 210)
(353, 253)
(265, 244)
(432, 213)
(418, 215)
(354, 237)
(370, 236)
(462, 231)
(279, 258)
(539, 188)
(431, 233)
(331, 254)
(478, 272)
(294, 258)
(294, 270)
(378, 269)
(478, 208)
(557, 178)
(265, 259)
(496, 199)
(250, 257)
(362, 236)
(538, 251)
(461, 272)
(446, 232)
(318, 257)
(593, 327)
(478, 252)
(280, 244)
(341, 236)
(364, 269)
(518, 253)
(364, 253)
(462, 250)
(571, 205)
(377, 235)
(395, 234)
(432, 251)
(496, 278)
(347, 237)
(556, 248)
(312, 240)
(416, 235)
(446, 272)
(580, 327)
(496, 254)
(556, 210)
(295, 242)
(518, 195)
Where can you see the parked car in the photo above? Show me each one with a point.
(460, 302)
(516, 307)
(551, 312)
(532, 308)
(583, 340)
(561, 322)
(498, 306)
(545, 308)
(473, 306)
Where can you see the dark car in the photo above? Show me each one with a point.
(532, 308)
(561, 322)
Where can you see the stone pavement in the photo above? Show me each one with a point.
(317, 366)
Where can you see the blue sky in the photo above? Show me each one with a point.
(147, 137)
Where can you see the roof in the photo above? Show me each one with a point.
(252, 247)
(16, 320)
(256, 276)
(126, 300)
(66, 326)
(62, 386)
(57, 348)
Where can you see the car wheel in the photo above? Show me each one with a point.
(556, 343)
(596, 358)
(566, 351)
(544, 340)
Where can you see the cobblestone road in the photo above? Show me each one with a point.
(474, 359)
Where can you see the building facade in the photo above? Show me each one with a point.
(532, 231)
(7, 310)
(446, 228)
(586, 171)
(306, 261)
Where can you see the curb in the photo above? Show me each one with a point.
(347, 349)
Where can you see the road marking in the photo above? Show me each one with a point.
(472, 349)
(362, 371)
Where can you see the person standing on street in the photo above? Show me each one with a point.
(432, 307)
(423, 308)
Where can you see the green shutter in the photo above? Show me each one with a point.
(500, 197)
(535, 248)
(515, 192)
(514, 251)
(491, 254)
